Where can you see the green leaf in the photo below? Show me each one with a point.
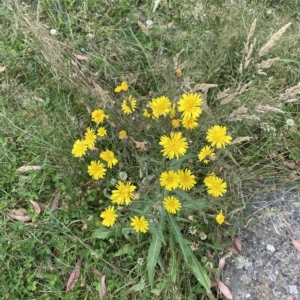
(199, 205)
(138, 287)
(178, 236)
(295, 154)
(152, 257)
(197, 269)
(104, 233)
(156, 292)
(176, 163)
(125, 250)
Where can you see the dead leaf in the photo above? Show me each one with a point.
(19, 212)
(28, 168)
(221, 264)
(73, 276)
(225, 290)
(55, 201)
(88, 109)
(2, 69)
(232, 251)
(81, 57)
(18, 217)
(102, 291)
(143, 27)
(36, 207)
(296, 244)
(140, 145)
(238, 243)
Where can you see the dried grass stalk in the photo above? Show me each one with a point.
(240, 114)
(265, 108)
(290, 93)
(230, 97)
(265, 64)
(204, 87)
(241, 139)
(275, 37)
(266, 127)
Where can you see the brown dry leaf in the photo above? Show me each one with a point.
(36, 207)
(225, 290)
(2, 69)
(222, 262)
(55, 202)
(238, 243)
(81, 57)
(28, 168)
(140, 145)
(102, 291)
(73, 276)
(99, 90)
(18, 216)
(232, 250)
(296, 244)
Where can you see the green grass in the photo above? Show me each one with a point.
(46, 94)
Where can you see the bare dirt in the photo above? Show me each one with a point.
(268, 266)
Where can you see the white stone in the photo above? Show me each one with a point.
(270, 248)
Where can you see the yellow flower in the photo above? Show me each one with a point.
(109, 157)
(169, 180)
(139, 224)
(123, 135)
(189, 105)
(96, 169)
(101, 132)
(98, 116)
(215, 185)
(173, 111)
(206, 152)
(176, 123)
(146, 114)
(216, 135)
(79, 148)
(109, 216)
(90, 138)
(189, 122)
(129, 105)
(123, 193)
(174, 146)
(172, 204)
(186, 179)
(122, 87)
(178, 72)
(160, 106)
(220, 218)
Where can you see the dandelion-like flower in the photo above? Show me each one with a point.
(215, 185)
(129, 105)
(98, 116)
(216, 135)
(189, 122)
(122, 87)
(178, 72)
(186, 179)
(174, 146)
(123, 135)
(96, 169)
(146, 114)
(123, 193)
(169, 180)
(175, 123)
(205, 153)
(160, 106)
(109, 157)
(173, 111)
(90, 138)
(79, 148)
(109, 216)
(101, 132)
(172, 204)
(189, 105)
(139, 224)
(220, 218)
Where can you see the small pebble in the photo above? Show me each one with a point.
(293, 290)
(270, 248)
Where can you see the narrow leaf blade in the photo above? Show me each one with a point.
(152, 257)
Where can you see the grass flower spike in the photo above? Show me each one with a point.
(90, 138)
(220, 218)
(174, 146)
(215, 185)
(101, 132)
(160, 106)
(205, 153)
(172, 205)
(79, 148)
(123, 193)
(129, 105)
(169, 180)
(109, 157)
(123, 87)
(139, 224)
(216, 135)
(96, 169)
(109, 216)
(189, 105)
(98, 116)
(186, 179)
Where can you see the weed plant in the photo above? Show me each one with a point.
(60, 61)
